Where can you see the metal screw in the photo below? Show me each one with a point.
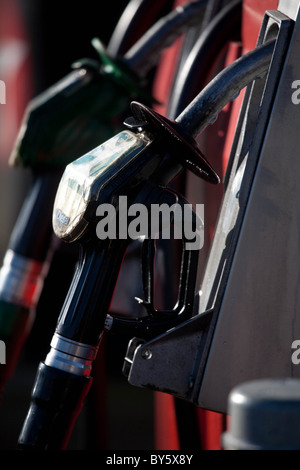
(146, 354)
(191, 383)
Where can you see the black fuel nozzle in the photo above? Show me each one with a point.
(84, 108)
(133, 166)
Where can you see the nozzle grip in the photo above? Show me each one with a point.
(56, 401)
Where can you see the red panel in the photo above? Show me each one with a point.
(165, 71)
(166, 432)
(16, 72)
(211, 426)
(253, 12)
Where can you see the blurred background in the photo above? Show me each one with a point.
(38, 43)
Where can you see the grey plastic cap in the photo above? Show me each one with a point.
(265, 415)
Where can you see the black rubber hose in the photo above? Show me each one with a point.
(191, 77)
(146, 51)
(204, 108)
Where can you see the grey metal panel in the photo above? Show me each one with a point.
(260, 312)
